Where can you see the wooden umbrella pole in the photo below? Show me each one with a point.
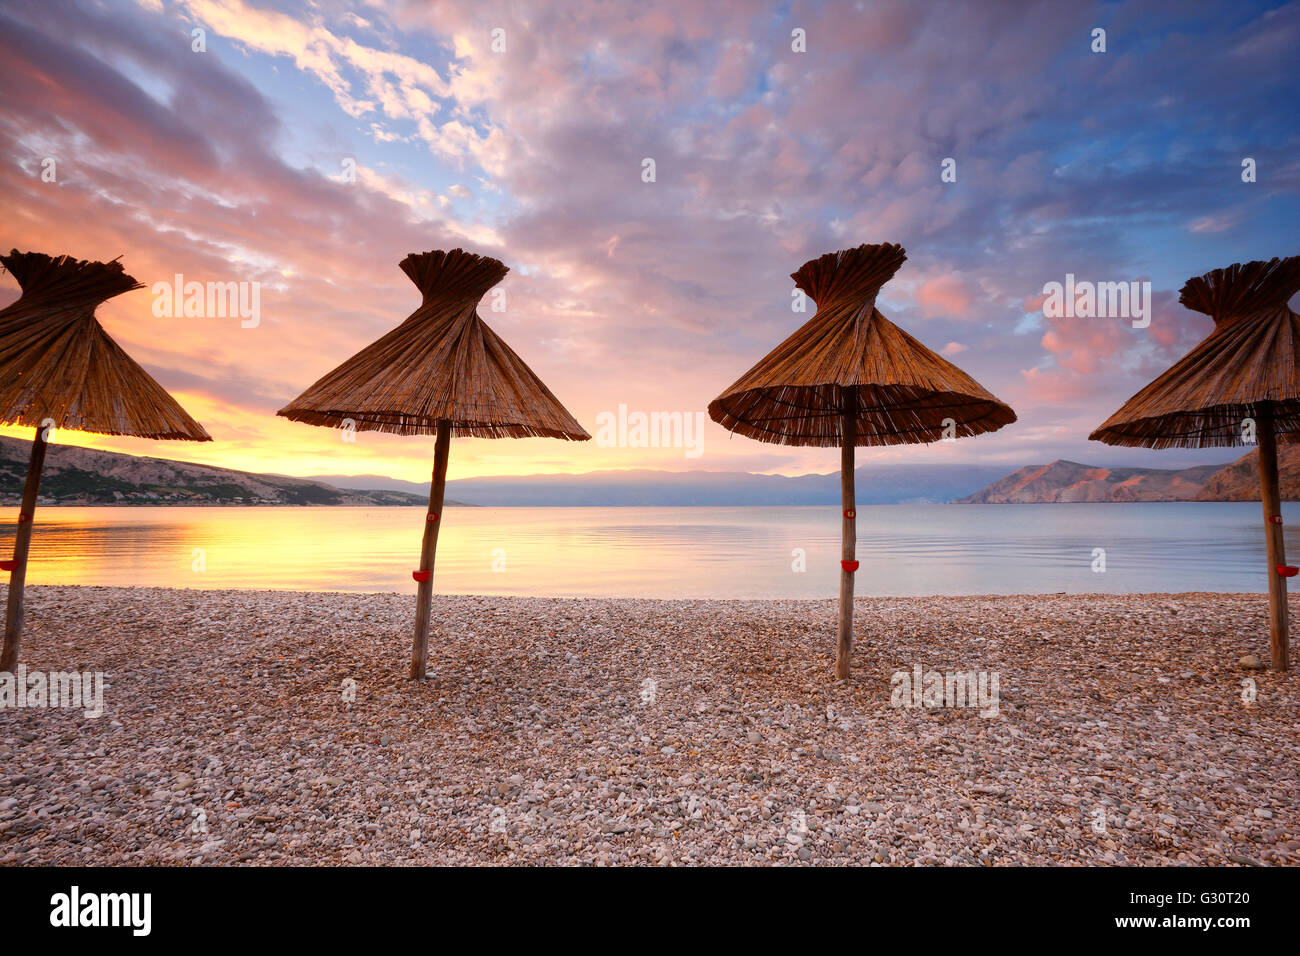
(1268, 482)
(424, 590)
(849, 437)
(22, 542)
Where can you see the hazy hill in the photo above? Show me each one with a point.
(87, 476)
(76, 475)
(875, 484)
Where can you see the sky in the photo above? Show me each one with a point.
(307, 147)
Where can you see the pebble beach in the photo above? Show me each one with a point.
(278, 728)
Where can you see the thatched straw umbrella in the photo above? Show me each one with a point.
(1245, 369)
(851, 377)
(441, 372)
(60, 369)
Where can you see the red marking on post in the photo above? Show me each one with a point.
(431, 517)
(1287, 570)
(850, 513)
(1275, 519)
(23, 517)
(421, 576)
(849, 566)
(8, 565)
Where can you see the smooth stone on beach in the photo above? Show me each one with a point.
(538, 747)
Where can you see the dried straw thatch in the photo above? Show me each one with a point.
(57, 362)
(443, 364)
(851, 377)
(59, 368)
(903, 392)
(441, 372)
(1241, 380)
(1251, 358)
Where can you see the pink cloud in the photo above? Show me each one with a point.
(1081, 345)
(1052, 387)
(944, 296)
(182, 163)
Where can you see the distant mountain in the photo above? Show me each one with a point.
(75, 475)
(1239, 481)
(88, 476)
(875, 484)
(375, 483)
(1070, 481)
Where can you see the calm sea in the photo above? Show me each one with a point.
(664, 552)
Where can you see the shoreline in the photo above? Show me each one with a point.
(860, 602)
(17, 502)
(538, 739)
(830, 600)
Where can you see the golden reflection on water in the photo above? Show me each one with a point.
(547, 551)
(659, 552)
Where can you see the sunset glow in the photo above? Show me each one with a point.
(310, 146)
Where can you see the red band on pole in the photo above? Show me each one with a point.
(23, 517)
(849, 566)
(1287, 570)
(1275, 519)
(421, 576)
(431, 517)
(850, 513)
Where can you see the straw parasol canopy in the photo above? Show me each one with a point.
(56, 360)
(60, 369)
(441, 372)
(1241, 379)
(443, 364)
(851, 377)
(1248, 363)
(902, 392)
